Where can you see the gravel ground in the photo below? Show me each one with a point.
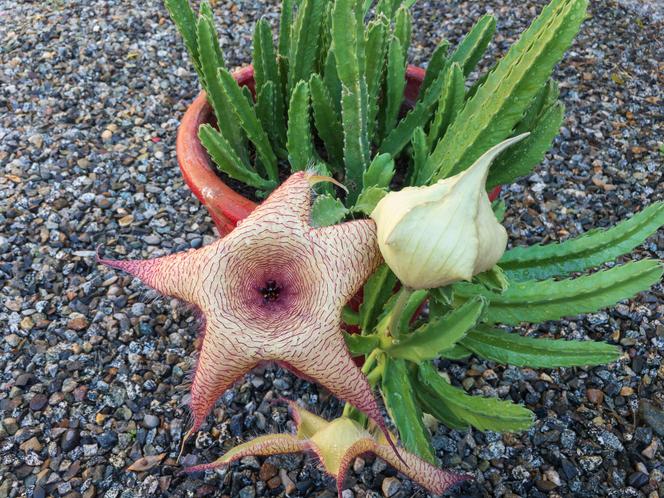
(92, 364)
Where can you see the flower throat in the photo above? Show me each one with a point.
(270, 291)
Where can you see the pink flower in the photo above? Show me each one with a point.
(272, 290)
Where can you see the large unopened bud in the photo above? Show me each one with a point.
(433, 236)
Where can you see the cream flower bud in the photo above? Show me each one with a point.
(433, 236)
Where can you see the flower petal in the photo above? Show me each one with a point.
(360, 447)
(167, 274)
(435, 480)
(492, 238)
(433, 236)
(221, 362)
(331, 365)
(273, 444)
(290, 203)
(355, 265)
(333, 443)
(273, 290)
(440, 251)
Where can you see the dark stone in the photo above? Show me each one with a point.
(69, 440)
(638, 363)
(107, 439)
(150, 421)
(445, 443)
(38, 402)
(145, 329)
(569, 470)
(141, 434)
(236, 425)
(545, 485)
(643, 435)
(637, 479)
(24, 380)
(247, 492)
(304, 486)
(612, 389)
(23, 471)
(652, 416)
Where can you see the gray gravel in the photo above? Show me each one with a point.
(92, 365)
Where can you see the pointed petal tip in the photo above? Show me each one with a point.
(203, 467)
(484, 162)
(454, 479)
(498, 148)
(282, 400)
(127, 266)
(313, 179)
(450, 479)
(521, 137)
(457, 478)
(390, 440)
(293, 408)
(124, 265)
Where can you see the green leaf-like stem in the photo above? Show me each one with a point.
(440, 334)
(246, 115)
(361, 344)
(513, 349)
(535, 302)
(227, 161)
(299, 140)
(586, 251)
(447, 402)
(501, 101)
(402, 405)
(471, 48)
(327, 210)
(376, 291)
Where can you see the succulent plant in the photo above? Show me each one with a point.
(329, 98)
(331, 95)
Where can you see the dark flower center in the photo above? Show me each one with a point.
(270, 291)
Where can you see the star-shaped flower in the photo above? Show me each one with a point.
(337, 444)
(272, 290)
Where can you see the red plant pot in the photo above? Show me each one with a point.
(226, 206)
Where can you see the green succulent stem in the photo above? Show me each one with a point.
(376, 374)
(393, 328)
(350, 316)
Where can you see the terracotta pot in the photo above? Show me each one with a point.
(227, 207)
